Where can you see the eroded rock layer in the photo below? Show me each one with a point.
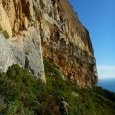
(52, 23)
(67, 43)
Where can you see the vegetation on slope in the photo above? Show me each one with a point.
(25, 95)
(5, 33)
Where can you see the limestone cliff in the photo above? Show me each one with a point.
(24, 44)
(50, 25)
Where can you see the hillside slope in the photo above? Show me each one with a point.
(22, 94)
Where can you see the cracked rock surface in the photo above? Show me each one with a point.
(46, 29)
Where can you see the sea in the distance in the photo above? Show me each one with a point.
(108, 84)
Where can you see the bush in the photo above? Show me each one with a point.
(26, 95)
(5, 33)
(18, 86)
(1, 28)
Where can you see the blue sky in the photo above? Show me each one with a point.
(98, 16)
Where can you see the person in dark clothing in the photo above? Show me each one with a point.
(63, 107)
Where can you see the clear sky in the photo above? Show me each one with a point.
(98, 16)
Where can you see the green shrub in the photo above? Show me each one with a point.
(5, 33)
(18, 86)
(26, 95)
(1, 28)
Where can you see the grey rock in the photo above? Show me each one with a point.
(6, 56)
(75, 94)
(24, 50)
(27, 52)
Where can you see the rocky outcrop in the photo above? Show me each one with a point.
(24, 50)
(24, 45)
(6, 55)
(66, 42)
(53, 24)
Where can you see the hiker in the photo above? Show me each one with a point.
(63, 107)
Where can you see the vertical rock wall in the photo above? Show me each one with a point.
(66, 42)
(24, 44)
(52, 23)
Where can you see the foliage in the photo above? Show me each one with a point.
(26, 95)
(1, 28)
(5, 33)
(19, 88)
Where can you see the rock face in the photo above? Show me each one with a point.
(24, 45)
(52, 23)
(6, 55)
